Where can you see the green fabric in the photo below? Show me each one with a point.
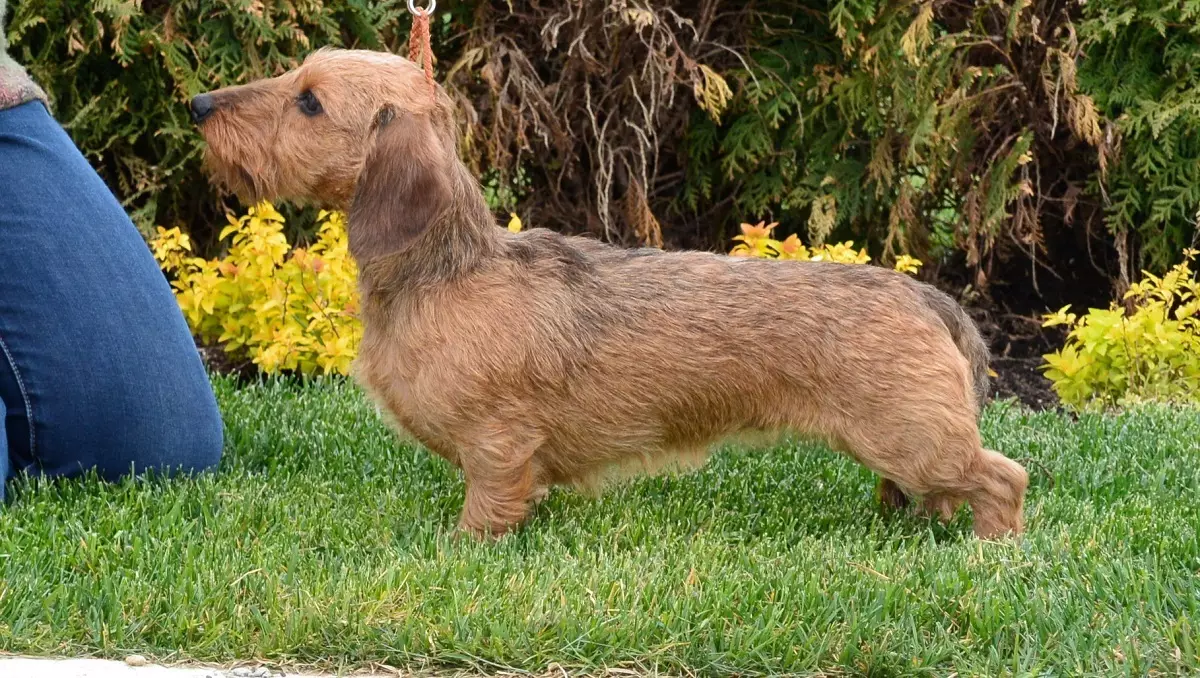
(16, 87)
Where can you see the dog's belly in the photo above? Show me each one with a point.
(600, 463)
(644, 431)
(595, 478)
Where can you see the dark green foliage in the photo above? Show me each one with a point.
(993, 128)
(1143, 68)
(980, 134)
(902, 123)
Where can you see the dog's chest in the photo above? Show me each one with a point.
(390, 367)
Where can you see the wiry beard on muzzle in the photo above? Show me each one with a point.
(238, 162)
(232, 177)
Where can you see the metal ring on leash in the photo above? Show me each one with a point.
(428, 11)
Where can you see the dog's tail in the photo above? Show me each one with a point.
(966, 336)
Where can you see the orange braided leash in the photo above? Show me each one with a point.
(420, 51)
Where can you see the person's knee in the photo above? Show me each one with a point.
(166, 424)
(99, 366)
(184, 437)
(201, 439)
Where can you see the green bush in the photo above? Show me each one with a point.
(991, 129)
(1143, 69)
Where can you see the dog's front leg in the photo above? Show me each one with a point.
(502, 485)
(498, 500)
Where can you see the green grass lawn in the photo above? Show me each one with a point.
(322, 541)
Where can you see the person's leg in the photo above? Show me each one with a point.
(97, 366)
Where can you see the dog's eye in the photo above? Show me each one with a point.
(308, 104)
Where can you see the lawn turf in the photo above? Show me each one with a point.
(323, 541)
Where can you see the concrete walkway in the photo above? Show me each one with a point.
(136, 667)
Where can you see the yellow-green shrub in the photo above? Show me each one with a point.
(756, 241)
(287, 309)
(1112, 357)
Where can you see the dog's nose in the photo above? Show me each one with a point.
(202, 107)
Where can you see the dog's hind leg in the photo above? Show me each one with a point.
(996, 492)
(890, 495)
(945, 465)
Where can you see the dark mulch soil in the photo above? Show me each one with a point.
(220, 362)
(1018, 343)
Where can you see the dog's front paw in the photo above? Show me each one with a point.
(483, 532)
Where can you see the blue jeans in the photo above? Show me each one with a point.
(98, 370)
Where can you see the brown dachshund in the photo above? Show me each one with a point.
(533, 359)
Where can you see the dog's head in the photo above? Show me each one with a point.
(347, 129)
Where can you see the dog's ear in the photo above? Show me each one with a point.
(404, 185)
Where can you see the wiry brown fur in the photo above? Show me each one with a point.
(534, 359)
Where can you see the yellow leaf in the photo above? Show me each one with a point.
(640, 17)
(711, 91)
(918, 35)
